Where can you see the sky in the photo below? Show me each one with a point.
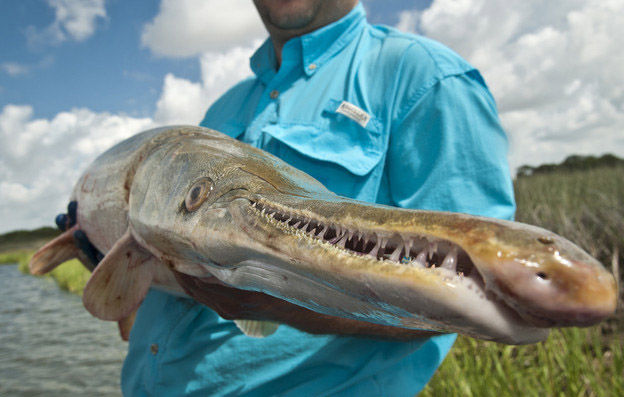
(77, 76)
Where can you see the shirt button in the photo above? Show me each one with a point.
(312, 66)
(154, 348)
(274, 94)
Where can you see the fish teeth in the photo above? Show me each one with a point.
(432, 248)
(338, 236)
(365, 239)
(375, 249)
(421, 258)
(349, 234)
(416, 263)
(408, 246)
(342, 241)
(396, 253)
(450, 261)
(384, 241)
(321, 234)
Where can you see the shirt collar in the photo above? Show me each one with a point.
(311, 50)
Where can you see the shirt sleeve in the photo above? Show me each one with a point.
(448, 151)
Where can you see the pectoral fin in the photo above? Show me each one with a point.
(55, 252)
(125, 326)
(256, 329)
(121, 280)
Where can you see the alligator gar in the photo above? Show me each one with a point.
(194, 212)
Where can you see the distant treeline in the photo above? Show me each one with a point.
(26, 238)
(572, 163)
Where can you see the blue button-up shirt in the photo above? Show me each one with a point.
(374, 114)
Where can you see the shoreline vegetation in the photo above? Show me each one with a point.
(581, 199)
(19, 246)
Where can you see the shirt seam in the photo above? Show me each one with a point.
(421, 93)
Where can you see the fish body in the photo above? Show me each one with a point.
(197, 213)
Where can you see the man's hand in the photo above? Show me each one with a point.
(64, 222)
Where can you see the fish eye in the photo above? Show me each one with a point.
(198, 193)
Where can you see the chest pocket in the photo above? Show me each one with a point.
(336, 150)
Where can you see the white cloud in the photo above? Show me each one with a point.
(181, 102)
(186, 28)
(74, 20)
(184, 101)
(554, 68)
(14, 69)
(41, 159)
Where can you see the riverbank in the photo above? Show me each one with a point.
(70, 276)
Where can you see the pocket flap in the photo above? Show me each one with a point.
(345, 143)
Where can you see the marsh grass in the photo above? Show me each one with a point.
(587, 207)
(572, 362)
(70, 276)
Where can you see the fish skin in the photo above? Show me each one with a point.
(524, 279)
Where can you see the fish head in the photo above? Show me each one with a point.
(211, 206)
(188, 196)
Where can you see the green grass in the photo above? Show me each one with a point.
(70, 276)
(587, 207)
(17, 256)
(572, 362)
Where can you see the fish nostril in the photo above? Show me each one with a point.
(542, 275)
(545, 240)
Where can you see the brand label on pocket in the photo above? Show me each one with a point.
(354, 113)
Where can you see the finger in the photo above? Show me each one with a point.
(61, 221)
(92, 253)
(71, 212)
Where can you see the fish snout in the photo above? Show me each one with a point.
(555, 293)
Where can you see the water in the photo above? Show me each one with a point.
(50, 345)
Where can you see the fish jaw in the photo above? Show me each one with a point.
(300, 267)
(526, 277)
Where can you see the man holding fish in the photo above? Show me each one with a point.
(373, 114)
